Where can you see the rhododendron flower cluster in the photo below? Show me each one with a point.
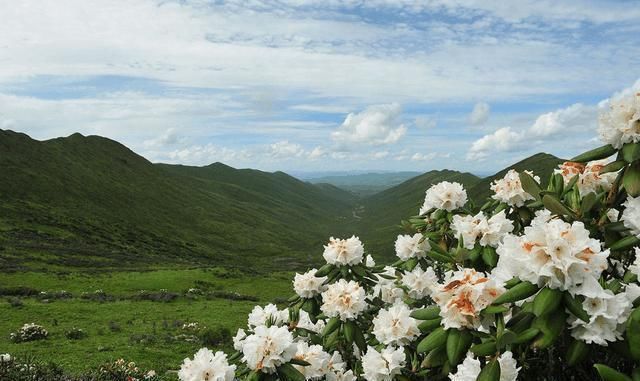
(509, 189)
(445, 196)
(589, 180)
(555, 254)
(542, 278)
(463, 295)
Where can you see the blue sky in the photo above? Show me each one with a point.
(308, 85)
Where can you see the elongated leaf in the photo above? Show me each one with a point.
(530, 185)
(610, 374)
(595, 154)
(518, 292)
(554, 205)
(435, 339)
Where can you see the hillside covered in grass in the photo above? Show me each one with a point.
(382, 213)
(90, 201)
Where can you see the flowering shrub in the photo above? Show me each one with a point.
(29, 332)
(75, 334)
(539, 283)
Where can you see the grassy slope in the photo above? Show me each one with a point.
(366, 184)
(146, 332)
(384, 211)
(90, 201)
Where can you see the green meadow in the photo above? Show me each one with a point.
(124, 326)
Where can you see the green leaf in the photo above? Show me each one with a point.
(506, 338)
(288, 373)
(349, 331)
(300, 362)
(577, 351)
(595, 154)
(530, 185)
(435, 358)
(610, 374)
(633, 333)
(551, 327)
(488, 348)
(614, 166)
(588, 202)
(490, 372)
(499, 309)
(554, 205)
(526, 335)
(429, 325)
(332, 325)
(458, 343)
(427, 313)
(546, 301)
(435, 339)
(631, 152)
(324, 270)
(574, 306)
(631, 179)
(625, 243)
(489, 256)
(518, 292)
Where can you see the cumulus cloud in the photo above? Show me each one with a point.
(480, 114)
(376, 125)
(285, 150)
(207, 154)
(423, 157)
(575, 120)
(168, 138)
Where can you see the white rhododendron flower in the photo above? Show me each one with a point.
(386, 289)
(369, 262)
(608, 314)
(308, 285)
(317, 358)
(508, 367)
(382, 366)
(337, 369)
(463, 295)
(470, 368)
(619, 122)
(238, 339)
(304, 322)
(342, 252)
(509, 189)
(553, 253)
(5, 357)
(207, 366)
(467, 371)
(490, 231)
(395, 326)
(344, 299)
(268, 348)
(631, 215)
(589, 177)
(444, 195)
(412, 246)
(420, 282)
(635, 267)
(270, 313)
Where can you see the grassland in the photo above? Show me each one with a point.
(147, 332)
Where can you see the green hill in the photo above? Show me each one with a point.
(90, 201)
(381, 213)
(542, 164)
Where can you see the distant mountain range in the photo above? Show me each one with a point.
(87, 201)
(365, 184)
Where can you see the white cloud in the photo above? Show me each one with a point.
(577, 120)
(380, 154)
(168, 138)
(423, 157)
(480, 114)
(375, 125)
(503, 139)
(285, 150)
(317, 153)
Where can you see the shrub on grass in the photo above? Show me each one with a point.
(212, 337)
(75, 334)
(29, 332)
(15, 302)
